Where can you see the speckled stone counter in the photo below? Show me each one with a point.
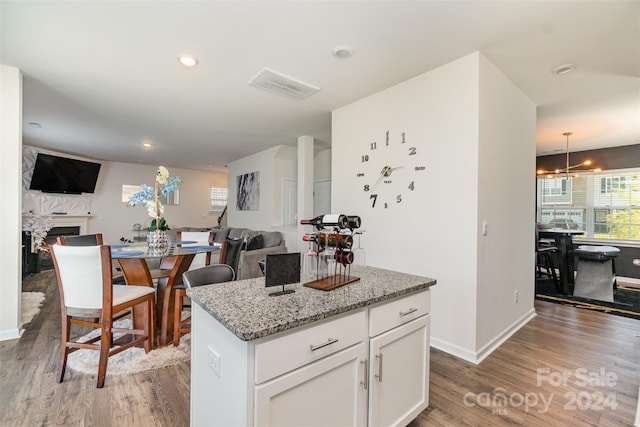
(245, 308)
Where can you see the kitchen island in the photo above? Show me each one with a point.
(357, 355)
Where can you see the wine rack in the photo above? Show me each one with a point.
(330, 245)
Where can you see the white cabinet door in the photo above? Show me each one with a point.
(399, 381)
(328, 392)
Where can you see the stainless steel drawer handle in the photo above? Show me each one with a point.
(406, 313)
(379, 374)
(318, 346)
(365, 381)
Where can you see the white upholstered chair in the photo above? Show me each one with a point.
(201, 238)
(88, 298)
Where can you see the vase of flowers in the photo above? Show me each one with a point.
(157, 236)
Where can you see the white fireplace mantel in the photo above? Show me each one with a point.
(71, 221)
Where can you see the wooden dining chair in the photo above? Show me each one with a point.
(86, 292)
(167, 290)
(81, 240)
(544, 251)
(215, 273)
(229, 256)
(201, 238)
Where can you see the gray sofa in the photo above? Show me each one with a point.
(258, 245)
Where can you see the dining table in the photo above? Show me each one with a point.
(563, 240)
(134, 262)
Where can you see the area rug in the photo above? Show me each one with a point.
(30, 306)
(132, 360)
(626, 300)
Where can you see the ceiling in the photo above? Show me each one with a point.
(102, 77)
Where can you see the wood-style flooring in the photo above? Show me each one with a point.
(595, 348)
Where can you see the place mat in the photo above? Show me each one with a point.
(197, 248)
(183, 242)
(117, 245)
(126, 254)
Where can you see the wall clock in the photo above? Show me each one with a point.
(389, 171)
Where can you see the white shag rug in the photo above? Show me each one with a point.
(132, 360)
(30, 306)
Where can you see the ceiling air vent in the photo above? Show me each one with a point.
(280, 84)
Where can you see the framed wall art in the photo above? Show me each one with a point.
(248, 198)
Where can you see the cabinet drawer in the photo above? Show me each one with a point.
(280, 355)
(403, 310)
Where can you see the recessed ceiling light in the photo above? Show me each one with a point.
(563, 69)
(342, 52)
(147, 144)
(188, 60)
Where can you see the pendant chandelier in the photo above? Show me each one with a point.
(569, 170)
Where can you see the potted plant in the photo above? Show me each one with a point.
(157, 238)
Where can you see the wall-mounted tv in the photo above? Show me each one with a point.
(53, 174)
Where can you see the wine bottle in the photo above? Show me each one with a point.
(344, 257)
(342, 241)
(329, 220)
(354, 221)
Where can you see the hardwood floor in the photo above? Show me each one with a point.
(560, 339)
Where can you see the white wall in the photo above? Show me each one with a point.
(263, 218)
(274, 165)
(322, 165)
(10, 219)
(112, 217)
(506, 186)
(434, 231)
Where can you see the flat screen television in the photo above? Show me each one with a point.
(53, 174)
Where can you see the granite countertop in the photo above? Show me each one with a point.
(245, 308)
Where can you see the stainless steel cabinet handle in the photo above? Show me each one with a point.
(379, 374)
(318, 346)
(405, 313)
(365, 381)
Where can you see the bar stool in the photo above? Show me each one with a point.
(545, 260)
(595, 272)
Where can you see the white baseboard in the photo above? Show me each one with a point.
(478, 356)
(488, 348)
(453, 350)
(11, 334)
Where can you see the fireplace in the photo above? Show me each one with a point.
(56, 232)
(61, 225)
(46, 263)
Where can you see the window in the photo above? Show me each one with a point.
(604, 205)
(610, 184)
(218, 198)
(172, 198)
(556, 190)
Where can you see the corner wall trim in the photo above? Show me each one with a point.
(476, 357)
(489, 347)
(11, 334)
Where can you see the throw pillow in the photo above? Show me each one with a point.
(256, 242)
(248, 234)
(244, 243)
